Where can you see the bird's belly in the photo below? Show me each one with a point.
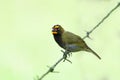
(73, 48)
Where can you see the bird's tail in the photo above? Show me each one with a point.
(90, 50)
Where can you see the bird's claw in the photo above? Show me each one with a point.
(65, 54)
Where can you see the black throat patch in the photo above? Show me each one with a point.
(58, 39)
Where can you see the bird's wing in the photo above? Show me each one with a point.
(70, 38)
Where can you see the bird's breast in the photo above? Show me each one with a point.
(73, 47)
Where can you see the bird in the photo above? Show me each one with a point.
(70, 41)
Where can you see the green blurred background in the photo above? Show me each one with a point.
(27, 45)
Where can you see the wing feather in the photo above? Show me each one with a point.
(70, 38)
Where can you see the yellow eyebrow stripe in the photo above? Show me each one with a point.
(56, 27)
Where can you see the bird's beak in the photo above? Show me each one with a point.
(54, 32)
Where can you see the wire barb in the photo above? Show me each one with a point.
(88, 33)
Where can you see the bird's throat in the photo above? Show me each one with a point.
(58, 39)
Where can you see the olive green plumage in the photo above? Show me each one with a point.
(70, 41)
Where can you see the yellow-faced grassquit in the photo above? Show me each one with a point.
(69, 41)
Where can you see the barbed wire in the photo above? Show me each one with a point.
(65, 53)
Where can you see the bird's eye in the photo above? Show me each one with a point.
(55, 29)
(58, 29)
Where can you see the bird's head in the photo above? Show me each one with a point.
(57, 29)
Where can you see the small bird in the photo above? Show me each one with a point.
(69, 41)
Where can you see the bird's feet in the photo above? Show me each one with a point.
(65, 55)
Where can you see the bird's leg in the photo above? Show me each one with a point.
(65, 53)
(69, 54)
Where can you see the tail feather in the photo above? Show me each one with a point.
(90, 50)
